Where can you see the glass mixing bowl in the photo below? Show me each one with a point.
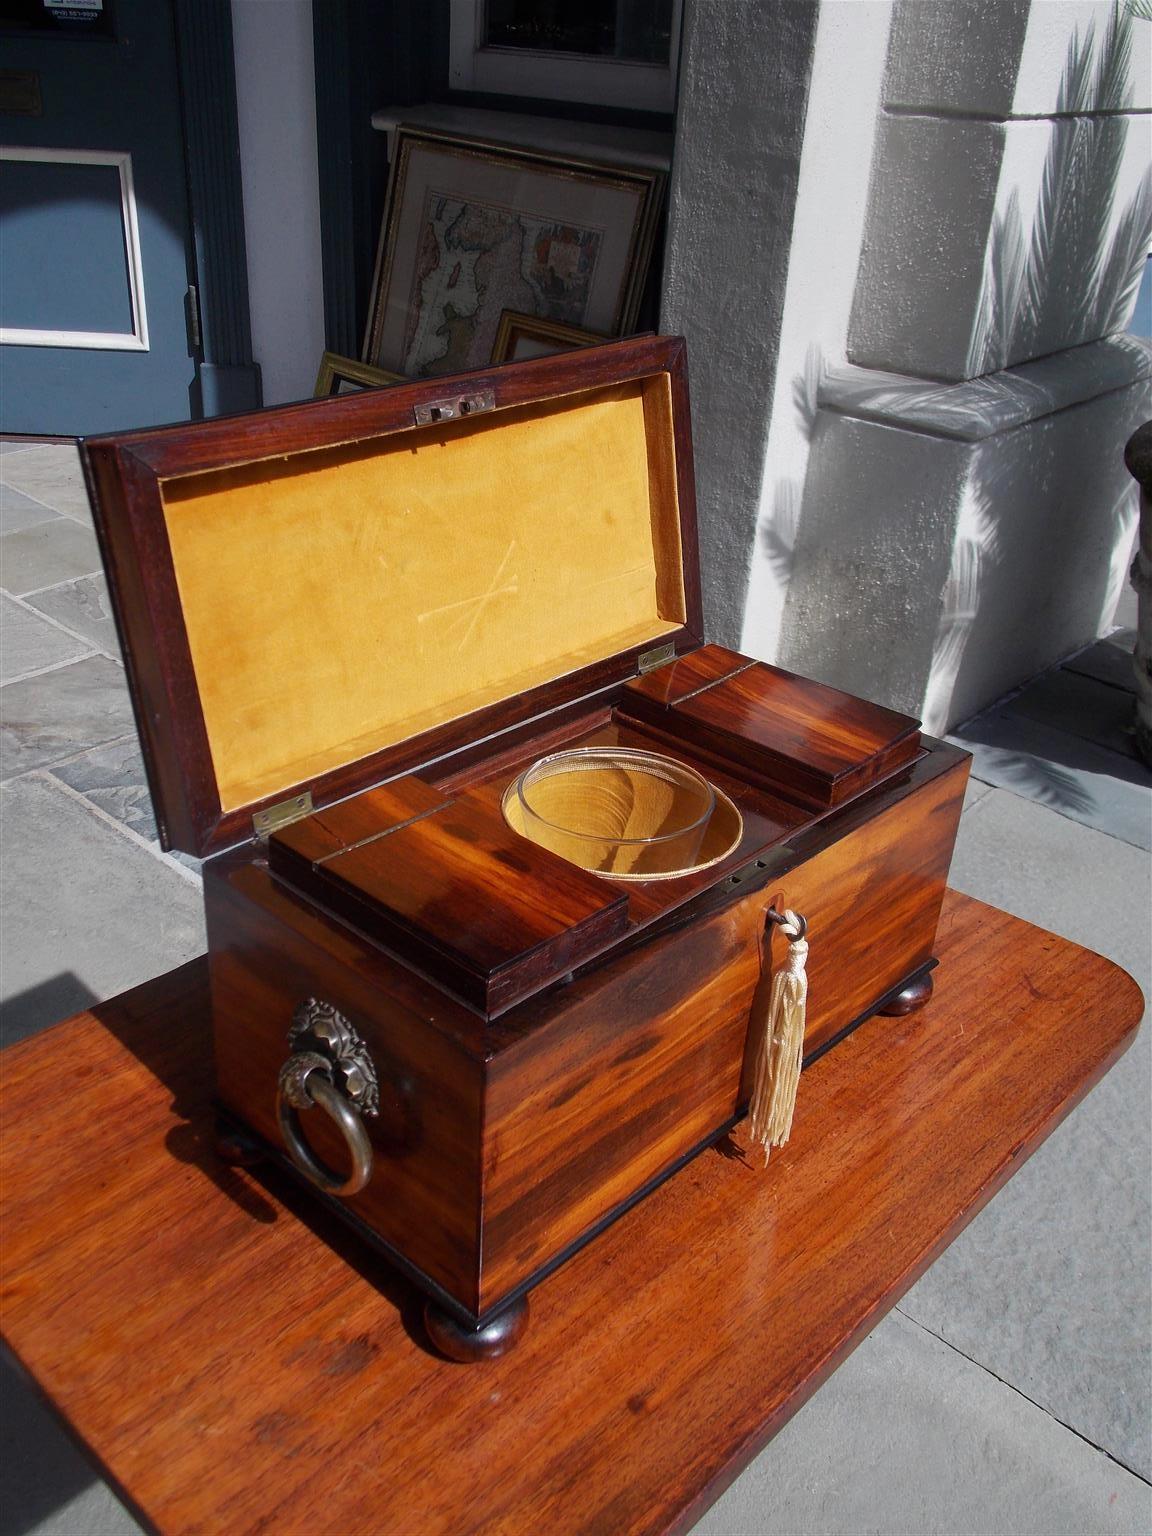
(614, 810)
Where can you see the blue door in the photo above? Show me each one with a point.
(94, 241)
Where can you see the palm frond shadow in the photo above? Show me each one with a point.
(1037, 779)
(1069, 282)
(778, 534)
(806, 389)
(977, 548)
(946, 409)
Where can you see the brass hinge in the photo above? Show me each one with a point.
(454, 407)
(273, 817)
(20, 92)
(650, 660)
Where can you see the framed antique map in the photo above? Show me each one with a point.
(473, 229)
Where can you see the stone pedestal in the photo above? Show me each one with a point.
(958, 538)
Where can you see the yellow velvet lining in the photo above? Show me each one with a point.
(341, 600)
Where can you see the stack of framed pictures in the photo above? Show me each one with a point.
(490, 252)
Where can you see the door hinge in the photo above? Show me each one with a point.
(650, 660)
(273, 817)
(20, 92)
(192, 318)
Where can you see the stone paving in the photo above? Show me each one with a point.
(1009, 1391)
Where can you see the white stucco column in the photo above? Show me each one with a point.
(933, 542)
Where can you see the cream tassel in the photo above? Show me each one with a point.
(781, 1052)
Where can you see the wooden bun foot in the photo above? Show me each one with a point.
(235, 1147)
(909, 998)
(465, 1344)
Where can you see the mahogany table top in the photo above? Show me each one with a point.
(232, 1372)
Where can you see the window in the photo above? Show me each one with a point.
(619, 53)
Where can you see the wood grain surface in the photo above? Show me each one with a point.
(365, 816)
(236, 1364)
(489, 913)
(786, 731)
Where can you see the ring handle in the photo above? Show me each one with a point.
(784, 920)
(305, 1082)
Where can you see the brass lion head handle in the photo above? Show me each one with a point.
(318, 1026)
(329, 1069)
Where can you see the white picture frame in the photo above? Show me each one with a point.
(593, 79)
(135, 340)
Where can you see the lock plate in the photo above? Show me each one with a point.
(454, 407)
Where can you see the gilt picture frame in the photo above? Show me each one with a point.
(522, 336)
(344, 375)
(472, 229)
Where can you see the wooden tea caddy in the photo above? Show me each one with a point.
(348, 626)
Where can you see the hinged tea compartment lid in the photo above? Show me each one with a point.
(316, 597)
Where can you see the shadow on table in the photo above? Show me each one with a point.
(41, 1468)
(166, 1025)
(47, 1003)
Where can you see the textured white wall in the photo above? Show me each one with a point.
(744, 81)
(1039, 193)
(276, 110)
(843, 100)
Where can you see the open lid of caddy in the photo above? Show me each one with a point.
(319, 597)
